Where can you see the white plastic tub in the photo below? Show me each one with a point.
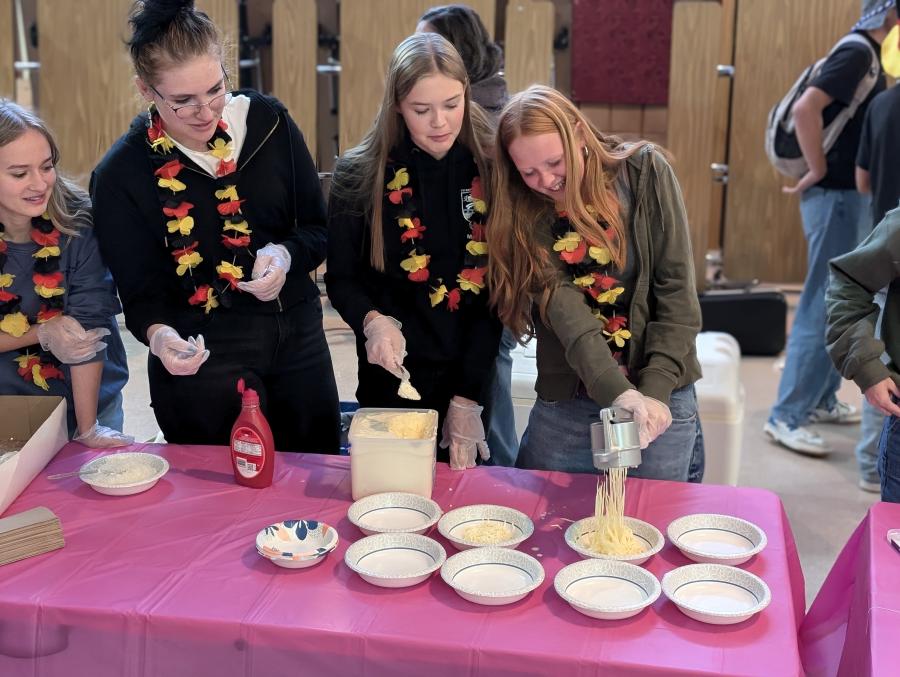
(381, 461)
(720, 398)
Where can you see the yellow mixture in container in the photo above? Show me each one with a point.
(487, 533)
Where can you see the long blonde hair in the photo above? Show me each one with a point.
(359, 175)
(519, 267)
(69, 205)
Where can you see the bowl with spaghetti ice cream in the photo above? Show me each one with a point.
(633, 541)
(485, 525)
(124, 473)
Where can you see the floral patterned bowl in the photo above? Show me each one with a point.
(296, 544)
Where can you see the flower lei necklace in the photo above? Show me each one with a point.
(34, 367)
(235, 229)
(589, 265)
(400, 206)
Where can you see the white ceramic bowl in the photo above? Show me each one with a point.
(395, 560)
(607, 589)
(453, 525)
(492, 576)
(715, 593)
(124, 473)
(578, 535)
(394, 512)
(716, 539)
(296, 544)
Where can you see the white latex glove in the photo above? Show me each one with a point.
(68, 341)
(101, 437)
(269, 272)
(179, 357)
(385, 345)
(464, 433)
(633, 401)
(659, 418)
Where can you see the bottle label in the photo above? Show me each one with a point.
(247, 449)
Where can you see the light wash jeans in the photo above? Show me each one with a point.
(558, 437)
(501, 433)
(834, 222)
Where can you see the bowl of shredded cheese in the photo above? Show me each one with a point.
(124, 473)
(631, 540)
(478, 526)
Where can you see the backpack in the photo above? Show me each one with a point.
(782, 146)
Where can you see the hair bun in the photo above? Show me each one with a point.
(151, 18)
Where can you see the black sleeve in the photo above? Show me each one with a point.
(483, 344)
(307, 244)
(348, 258)
(842, 72)
(863, 154)
(139, 265)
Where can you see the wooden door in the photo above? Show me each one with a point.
(529, 44)
(7, 43)
(294, 54)
(702, 39)
(775, 41)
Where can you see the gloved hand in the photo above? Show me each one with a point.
(633, 401)
(101, 437)
(68, 341)
(179, 357)
(659, 418)
(385, 345)
(269, 272)
(464, 433)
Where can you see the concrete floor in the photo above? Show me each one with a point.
(820, 496)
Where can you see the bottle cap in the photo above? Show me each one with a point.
(249, 396)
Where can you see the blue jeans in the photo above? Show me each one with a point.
(872, 420)
(501, 428)
(833, 224)
(889, 460)
(558, 437)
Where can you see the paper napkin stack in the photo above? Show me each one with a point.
(29, 533)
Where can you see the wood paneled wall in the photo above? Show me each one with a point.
(370, 30)
(698, 114)
(224, 14)
(775, 41)
(629, 122)
(86, 91)
(294, 54)
(528, 57)
(7, 47)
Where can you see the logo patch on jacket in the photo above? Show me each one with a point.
(467, 203)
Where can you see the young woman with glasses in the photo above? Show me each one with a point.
(209, 213)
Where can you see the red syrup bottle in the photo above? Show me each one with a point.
(252, 446)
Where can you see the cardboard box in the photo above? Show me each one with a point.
(41, 421)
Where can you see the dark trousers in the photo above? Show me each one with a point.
(283, 356)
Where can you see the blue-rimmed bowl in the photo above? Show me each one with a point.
(296, 544)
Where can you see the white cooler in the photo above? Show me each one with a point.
(720, 399)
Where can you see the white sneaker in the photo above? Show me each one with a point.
(870, 486)
(799, 439)
(841, 412)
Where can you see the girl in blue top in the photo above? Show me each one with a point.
(58, 334)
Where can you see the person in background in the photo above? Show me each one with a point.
(856, 278)
(877, 174)
(835, 218)
(483, 58)
(58, 333)
(210, 215)
(407, 251)
(590, 253)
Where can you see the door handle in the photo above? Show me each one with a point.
(719, 172)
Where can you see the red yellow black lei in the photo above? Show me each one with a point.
(400, 206)
(35, 367)
(235, 236)
(590, 266)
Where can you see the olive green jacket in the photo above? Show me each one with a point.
(664, 316)
(852, 313)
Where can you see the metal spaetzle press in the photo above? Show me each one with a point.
(614, 440)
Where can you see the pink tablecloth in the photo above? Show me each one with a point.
(853, 626)
(168, 583)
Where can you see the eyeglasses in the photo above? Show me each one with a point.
(188, 110)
